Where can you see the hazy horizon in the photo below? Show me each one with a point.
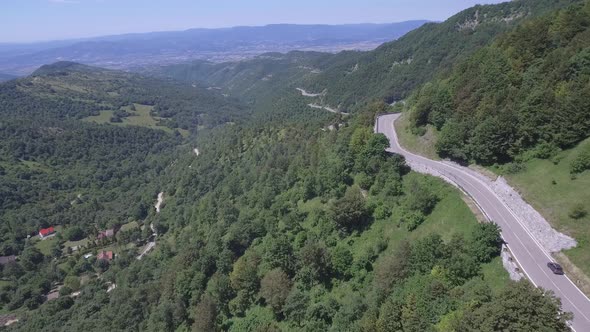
(56, 20)
(204, 28)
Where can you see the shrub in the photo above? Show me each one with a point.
(364, 181)
(74, 233)
(578, 211)
(413, 219)
(544, 151)
(513, 168)
(580, 163)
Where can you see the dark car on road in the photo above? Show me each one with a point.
(555, 268)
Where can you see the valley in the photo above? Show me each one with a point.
(183, 189)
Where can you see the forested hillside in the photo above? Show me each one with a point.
(350, 80)
(288, 219)
(135, 50)
(524, 96)
(278, 225)
(254, 77)
(70, 90)
(60, 170)
(6, 77)
(520, 107)
(395, 69)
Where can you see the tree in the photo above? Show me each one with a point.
(375, 147)
(350, 212)
(274, 288)
(411, 318)
(72, 282)
(427, 252)
(296, 306)
(205, 315)
(314, 262)
(279, 253)
(341, 260)
(244, 274)
(519, 307)
(491, 141)
(393, 268)
(56, 250)
(74, 233)
(486, 242)
(452, 139)
(419, 196)
(390, 315)
(256, 319)
(30, 258)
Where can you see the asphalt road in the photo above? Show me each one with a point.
(527, 251)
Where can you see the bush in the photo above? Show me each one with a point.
(418, 131)
(543, 151)
(382, 212)
(419, 197)
(72, 283)
(413, 219)
(513, 168)
(350, 212)
(580, 163)
(65, 291)
(364, 181)
(74, 233)
(578, 211)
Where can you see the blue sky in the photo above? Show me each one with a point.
(36, 20)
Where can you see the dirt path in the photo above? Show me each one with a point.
(329, 109)
(308, 94)
(159, 202)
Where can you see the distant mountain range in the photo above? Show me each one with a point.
(6, 77)
(137, 50)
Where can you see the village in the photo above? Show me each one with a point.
(82, 259)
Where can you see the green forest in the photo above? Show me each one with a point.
(523, 96)
(287, 217)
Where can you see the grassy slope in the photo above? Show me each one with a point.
(450, 216)
(554, 201)
(422, 145)
(141, 117)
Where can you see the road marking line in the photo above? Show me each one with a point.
(488, 189)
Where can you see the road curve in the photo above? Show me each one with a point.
(527, 251)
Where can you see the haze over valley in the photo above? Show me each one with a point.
(218, 45)
(427, 175)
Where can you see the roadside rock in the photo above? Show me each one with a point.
(551, 240)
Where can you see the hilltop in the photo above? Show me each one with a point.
(72, 90)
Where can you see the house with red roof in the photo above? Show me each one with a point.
(105, 255)
(45, 232)
(106, 234)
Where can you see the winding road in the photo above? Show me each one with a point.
(528, 252)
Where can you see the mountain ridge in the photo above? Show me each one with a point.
(129, 50)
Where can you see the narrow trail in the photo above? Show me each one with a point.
(329, 109)
(308, 94)
(159, 202)
(150, 245)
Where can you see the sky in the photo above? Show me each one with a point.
(40, 20)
